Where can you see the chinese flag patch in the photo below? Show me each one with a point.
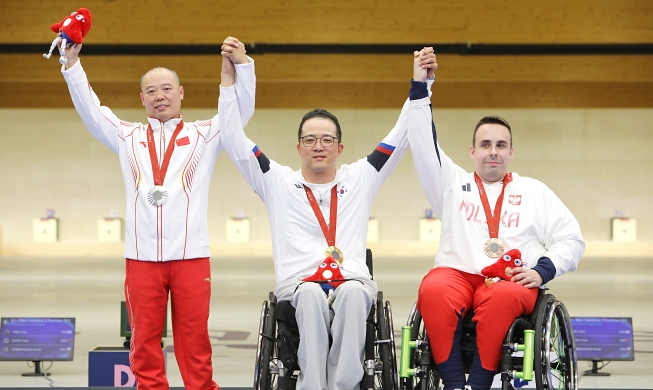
(182, 141)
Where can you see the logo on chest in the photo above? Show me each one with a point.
(514, 200)
(182, 141)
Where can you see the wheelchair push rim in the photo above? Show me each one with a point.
(386, 377)
(555, 357)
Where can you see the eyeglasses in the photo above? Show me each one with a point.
(327, 141)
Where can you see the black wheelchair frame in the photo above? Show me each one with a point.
(550, 358)
(276, 354)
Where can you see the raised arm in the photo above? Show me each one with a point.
(245, 82)
(99, 120)
(249, 160)
(394, 146)
(434, 169)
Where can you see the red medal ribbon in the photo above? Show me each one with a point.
(492, 220)
(160, 173)
(329, 231)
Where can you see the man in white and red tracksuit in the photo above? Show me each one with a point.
(167, 165)
(484, 214)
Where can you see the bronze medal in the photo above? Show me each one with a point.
(493, 247)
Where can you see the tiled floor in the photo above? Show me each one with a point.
(90, 289)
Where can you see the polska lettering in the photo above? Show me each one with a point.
(472, 214)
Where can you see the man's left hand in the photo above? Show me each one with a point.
(527, 277)
(234, 50)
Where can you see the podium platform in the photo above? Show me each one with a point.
(109, 367)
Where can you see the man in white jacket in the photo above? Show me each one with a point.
(167, 165)
(484, 214)
(315, 212)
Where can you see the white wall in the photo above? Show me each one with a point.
(597, 161)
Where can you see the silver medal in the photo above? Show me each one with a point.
(157, 196)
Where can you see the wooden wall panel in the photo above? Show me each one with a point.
(343, 67)
(351, 81)
(373, 81)
(389, 94)
(338, 21)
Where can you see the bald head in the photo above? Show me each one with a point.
(160, 69)
(161, 94)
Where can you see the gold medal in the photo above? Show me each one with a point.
(493, 247)
(336, 253)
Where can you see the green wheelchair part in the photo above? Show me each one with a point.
(408, 345)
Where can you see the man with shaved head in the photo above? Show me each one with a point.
(167, 165)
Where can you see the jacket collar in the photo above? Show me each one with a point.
(299, 178)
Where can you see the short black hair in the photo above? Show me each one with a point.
(494, 120)
(320, 113)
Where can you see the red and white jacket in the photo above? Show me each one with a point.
(177, 229)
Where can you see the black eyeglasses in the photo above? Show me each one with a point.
(327, 141)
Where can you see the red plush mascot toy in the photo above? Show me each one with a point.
(503, 266)
(73, 29)
(328, 275)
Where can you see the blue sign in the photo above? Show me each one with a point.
(109, 366)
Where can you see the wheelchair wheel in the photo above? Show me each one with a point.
(555, 357)
(264, 378)
(386, 378)
(427, 378)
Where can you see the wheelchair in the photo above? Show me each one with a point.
(539, 346)
(276, 354)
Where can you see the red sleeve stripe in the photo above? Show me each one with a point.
(385, 149)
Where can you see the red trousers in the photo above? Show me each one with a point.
(147, 285)
(446, 294)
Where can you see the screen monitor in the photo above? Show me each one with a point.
(603, 338)
(37, 339)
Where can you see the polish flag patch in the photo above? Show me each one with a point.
(514, 200)
(182, 141)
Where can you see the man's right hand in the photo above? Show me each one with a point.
(424, 64)
(72, 53)
(234, 50)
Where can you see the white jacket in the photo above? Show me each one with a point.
(533, 219)
(177, 229)
(298, 242)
